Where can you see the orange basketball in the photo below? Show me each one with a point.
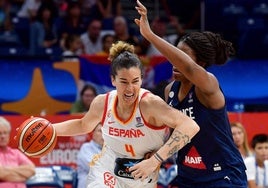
(36, 137)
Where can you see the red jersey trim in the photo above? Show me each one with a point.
(105, 108)
(117, 116)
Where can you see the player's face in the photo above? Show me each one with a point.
(186, 49)
(128, 83)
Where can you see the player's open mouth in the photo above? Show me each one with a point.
(129, 96)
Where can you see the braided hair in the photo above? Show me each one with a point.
(209, 47)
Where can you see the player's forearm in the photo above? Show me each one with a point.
(181, 136)
(68, 128)
(175, 56)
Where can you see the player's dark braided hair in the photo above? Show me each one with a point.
(122, 56)
(209, 47)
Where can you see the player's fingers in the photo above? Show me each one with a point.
(132, 169)
(141, 6)
(137, 176)
(142, 12)
(143, 178)
(137, 21)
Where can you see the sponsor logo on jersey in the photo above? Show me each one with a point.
(126, 173)
(194, 160)
(109, 179)
(217, 167)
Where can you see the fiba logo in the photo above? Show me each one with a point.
(139, 123)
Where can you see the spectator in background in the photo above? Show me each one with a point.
(159, 26)
(87, 7)
(241, 139)
(52, 6)
(107, 41)
(92, 38)
(15, 167)
(257, 165)
(43, 32)
(71, 23)
(86, 155)
(72, 48)
(8, 35)
(15, 6)
(187, 11)
(107, 10)
(87, 94)
(4, 13)
(29, 9)
(121, 33)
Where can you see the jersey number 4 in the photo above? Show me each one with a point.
(129, 148)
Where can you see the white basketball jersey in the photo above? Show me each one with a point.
(134, 137)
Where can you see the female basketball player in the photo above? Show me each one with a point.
(211, 159)
(134, 124)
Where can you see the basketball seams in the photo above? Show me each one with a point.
(25, 129)
(46, 147)
(43, 129)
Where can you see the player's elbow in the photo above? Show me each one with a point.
(196, 127)
(192, 127)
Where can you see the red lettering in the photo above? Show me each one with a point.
(132, 133)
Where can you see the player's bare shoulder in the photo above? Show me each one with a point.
(98, 102)
(151, 101)
(96, 109)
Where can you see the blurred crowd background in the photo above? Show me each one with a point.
(66, 30)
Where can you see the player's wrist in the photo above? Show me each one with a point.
(157, 160)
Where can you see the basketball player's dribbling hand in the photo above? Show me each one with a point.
(144, 169)
(143, 21)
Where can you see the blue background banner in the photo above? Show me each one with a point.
(40, 86)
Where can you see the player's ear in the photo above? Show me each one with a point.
(113, 80)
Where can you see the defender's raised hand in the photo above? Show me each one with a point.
(143, 23)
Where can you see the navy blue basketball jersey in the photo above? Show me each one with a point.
(211, 154)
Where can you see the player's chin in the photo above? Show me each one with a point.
(177, 76)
